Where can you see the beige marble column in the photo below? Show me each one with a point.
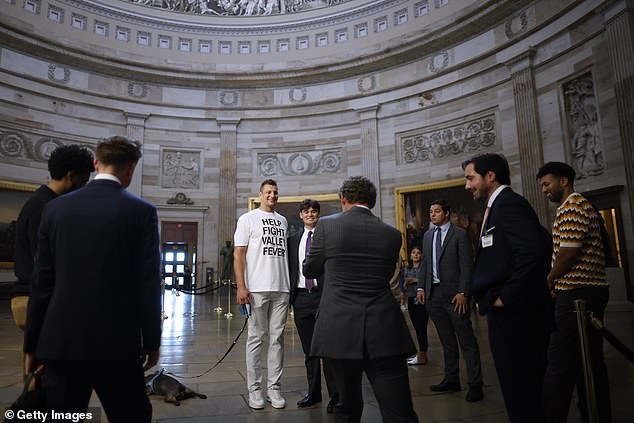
(135, 130)
(619, 25)
(228, 180)
(370, 150)
(529, 137)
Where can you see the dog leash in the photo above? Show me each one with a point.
(150, 384)
(235, 341)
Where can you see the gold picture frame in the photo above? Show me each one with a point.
(288, 206)
(13, 195)
(412, 224)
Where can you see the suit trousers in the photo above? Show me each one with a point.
(119, 384)
(305, 306)
(269, 311)
(390, 383)
(454, 328)
(564, 358)
(518, 341)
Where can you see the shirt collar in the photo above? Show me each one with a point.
(444, 227)
(108, 177)
(495, 194)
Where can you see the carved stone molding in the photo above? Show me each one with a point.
(229, 98)
(439, 62)
(180, 169)
(137, 90)
(299, 162)
(53, 73)
(15, 144)
(455, 139)
(294, 97)
(180, 198)
(516, 25)
(584, 135)
(366, 84)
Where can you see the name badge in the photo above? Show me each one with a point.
(487, 240)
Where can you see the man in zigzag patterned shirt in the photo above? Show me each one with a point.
(578, 272)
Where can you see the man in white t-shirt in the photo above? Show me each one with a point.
(261, 268)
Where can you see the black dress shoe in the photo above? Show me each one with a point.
(446, 386)
(308, 400)
(332, 404)
(474, 394)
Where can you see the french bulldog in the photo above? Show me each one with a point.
(172, 390)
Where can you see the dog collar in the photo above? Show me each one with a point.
(150, 383)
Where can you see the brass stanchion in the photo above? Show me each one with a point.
(582, 323)
(228, 314)
(163, 316)
(218, 309)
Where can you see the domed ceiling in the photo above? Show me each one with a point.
(243, 43)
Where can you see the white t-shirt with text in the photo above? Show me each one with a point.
(264, 235)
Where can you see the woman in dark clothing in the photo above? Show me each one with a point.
(417, 312)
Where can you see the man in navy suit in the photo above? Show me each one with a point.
(94, 315)
(509, 285)
(360, 326)
(305, 297)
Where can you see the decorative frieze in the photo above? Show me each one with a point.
(18, 145)
(516, 25)
(366, 84)
(299, 163)
(137, 90)
(229, 98)
(59, 74)
(297, 95)
(180, 169)
(459, 138)
(584, 135)
(439, 62)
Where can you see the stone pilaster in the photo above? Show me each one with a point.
(619, 25)
(529, 137)
(228, 180)
(370, 150)
(135, 130)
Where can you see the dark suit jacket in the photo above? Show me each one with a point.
(293, 261)
(456, 263)
(356, 254)
(96, 291)
(514, 268)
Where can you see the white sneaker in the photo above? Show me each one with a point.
(275, 398)
(255, 400)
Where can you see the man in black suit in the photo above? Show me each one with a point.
(305, 296)
(359, 323)
(87, 331)
(443, 286)
(509, 285)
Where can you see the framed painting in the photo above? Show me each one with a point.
(289, 208)
(13, 195)
(412, 211)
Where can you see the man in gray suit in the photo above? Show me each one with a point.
(443, 286)
(359, 323)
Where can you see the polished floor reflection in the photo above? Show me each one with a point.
(195, 336)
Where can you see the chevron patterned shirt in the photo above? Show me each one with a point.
(577, 225)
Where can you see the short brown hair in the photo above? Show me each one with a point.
(118, 151)
(268, 182)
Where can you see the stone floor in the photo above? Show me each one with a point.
(195, 337)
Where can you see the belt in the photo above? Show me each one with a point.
(308, 291)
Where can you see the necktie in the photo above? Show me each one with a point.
(310, 283)
(484, 221)
(438, 250)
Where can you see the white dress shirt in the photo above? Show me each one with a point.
(301, 281)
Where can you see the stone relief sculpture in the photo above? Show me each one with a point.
(583, 132)
(299, 163)
(16, 144)
(460, 138)
(180, 199)
(237, 7)
(180, 169)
